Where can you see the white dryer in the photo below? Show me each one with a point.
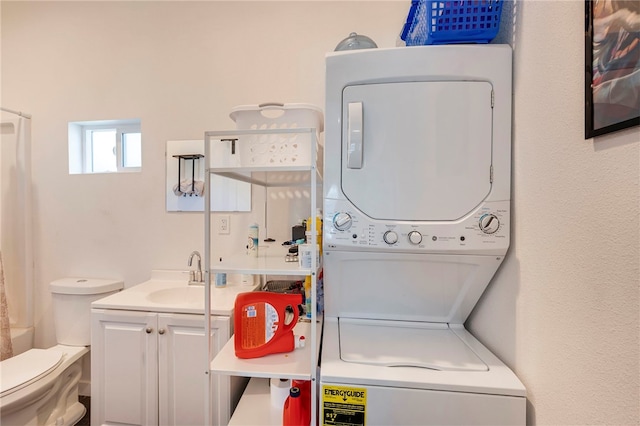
(416, 223)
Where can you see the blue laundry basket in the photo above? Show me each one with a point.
(446, 22)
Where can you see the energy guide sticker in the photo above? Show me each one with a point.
(343, 406)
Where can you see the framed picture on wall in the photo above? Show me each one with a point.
(612, 66)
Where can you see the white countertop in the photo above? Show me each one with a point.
(141, 296)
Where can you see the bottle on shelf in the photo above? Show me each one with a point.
(221, 278)
(252, 241)
(319, 294)
(297, 408)
(264, 322)
(318, 229)
(304, 250)
(307, 295)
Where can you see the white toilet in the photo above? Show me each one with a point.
(40, 386)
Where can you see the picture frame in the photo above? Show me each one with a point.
(612, 66)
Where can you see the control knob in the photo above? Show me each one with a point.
(390, 237)
(489, 223)
(415, 237)
(342, 221)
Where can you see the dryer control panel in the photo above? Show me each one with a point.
(483, 231)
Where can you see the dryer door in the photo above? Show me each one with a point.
(417, 150)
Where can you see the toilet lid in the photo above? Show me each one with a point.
(27, 367)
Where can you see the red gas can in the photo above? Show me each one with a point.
(264, 323)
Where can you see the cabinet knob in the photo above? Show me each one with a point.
(161, 331)
(149, 330)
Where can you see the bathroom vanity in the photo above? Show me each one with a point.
(148, 352)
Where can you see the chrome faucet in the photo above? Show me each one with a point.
(195, 277)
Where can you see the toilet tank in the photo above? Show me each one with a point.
(72, 299)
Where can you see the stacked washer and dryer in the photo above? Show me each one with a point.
(416, 223)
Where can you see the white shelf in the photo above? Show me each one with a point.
(291, 365)
(255, 406)
(270, 261)
(282, 176)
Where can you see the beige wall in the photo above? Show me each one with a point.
(563, 310)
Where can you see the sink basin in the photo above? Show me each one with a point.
(178, 295)
(168, 291)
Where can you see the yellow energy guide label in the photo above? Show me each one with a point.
(343, 406)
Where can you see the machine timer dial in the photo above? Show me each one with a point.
(390, 237)
(415, 237)
(489, 223)
(342, 221)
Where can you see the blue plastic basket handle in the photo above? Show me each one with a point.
(410, 18)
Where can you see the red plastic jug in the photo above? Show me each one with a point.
(264, 323)
(305, 397)
(295, 412)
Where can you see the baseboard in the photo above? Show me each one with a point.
(84, 388)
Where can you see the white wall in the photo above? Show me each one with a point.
(178, 66)
(563, 310)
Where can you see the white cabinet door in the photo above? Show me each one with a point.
(183, 372)
(124, 383)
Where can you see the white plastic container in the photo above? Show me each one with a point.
(305, 257)
(221, 279)
(277, 149)
(72, 299)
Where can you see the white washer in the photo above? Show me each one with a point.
(416, 223)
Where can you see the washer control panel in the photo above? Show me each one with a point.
(484, 229)
(489, 223)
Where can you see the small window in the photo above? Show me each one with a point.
(112, 146)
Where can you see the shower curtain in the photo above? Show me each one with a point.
(6, 349)
(15, 226)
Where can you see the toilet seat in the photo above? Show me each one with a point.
(26, 368)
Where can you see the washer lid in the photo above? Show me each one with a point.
(406, 344)
(20, 370)
(85, 286)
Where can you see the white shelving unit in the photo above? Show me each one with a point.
(270, 261)
(301, 363)
(254, 409)
(294, 365)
